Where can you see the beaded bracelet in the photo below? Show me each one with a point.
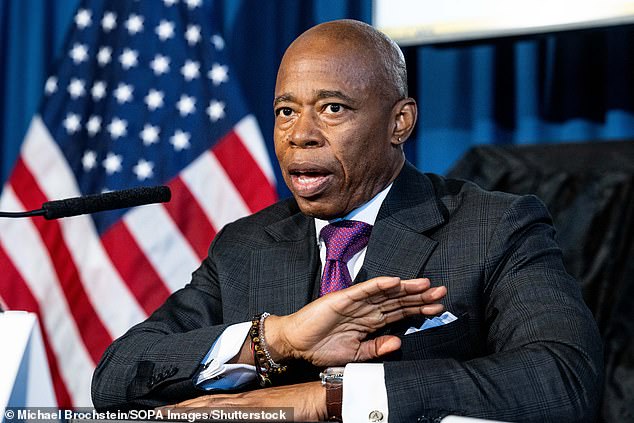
(265, 366)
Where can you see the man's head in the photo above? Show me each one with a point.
(341, 116)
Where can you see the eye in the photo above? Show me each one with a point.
(334, 108)
(284, 111)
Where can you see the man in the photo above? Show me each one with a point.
(523, 346)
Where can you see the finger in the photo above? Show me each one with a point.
(372, 287)
(398, 314)
(431, 296)
(404, 288)
(377, 347)
(192, 402)
(201, 401)
(435, 294)
(405, 302)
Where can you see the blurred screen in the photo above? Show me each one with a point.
(424, 21)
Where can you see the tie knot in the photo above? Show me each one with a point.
(345, 238)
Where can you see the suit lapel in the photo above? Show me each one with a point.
(284, 273)
(398, 246)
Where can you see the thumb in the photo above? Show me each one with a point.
(378, 346)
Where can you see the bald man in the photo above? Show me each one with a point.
(516, 341)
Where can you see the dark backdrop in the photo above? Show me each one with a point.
(589, 190)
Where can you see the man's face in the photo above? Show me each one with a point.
(333, 129)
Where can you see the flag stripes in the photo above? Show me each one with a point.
(20, 297)
(143, 254)
(93, 333)
(142, 95)
(32, 261)
(190, 218)
(129, 260)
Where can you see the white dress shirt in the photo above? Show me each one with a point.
(364, 392)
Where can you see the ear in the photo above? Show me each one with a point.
(405, 114)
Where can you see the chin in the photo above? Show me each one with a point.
(318, 209)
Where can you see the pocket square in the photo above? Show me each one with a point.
(443, 319)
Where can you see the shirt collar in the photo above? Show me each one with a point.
(366, 213)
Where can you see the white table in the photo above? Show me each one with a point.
(25, 379)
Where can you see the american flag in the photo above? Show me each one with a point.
(142, 95)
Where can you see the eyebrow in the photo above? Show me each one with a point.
(334, 94)
(282, 98)
(321, 94)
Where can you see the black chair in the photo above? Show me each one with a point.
(589, 190)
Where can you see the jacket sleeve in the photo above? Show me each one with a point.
(544, 353)
(154, 362)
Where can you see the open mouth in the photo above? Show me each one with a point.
(309, 182)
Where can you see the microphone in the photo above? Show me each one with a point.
(98, 202)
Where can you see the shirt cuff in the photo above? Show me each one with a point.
(364, 393)
(216, 373)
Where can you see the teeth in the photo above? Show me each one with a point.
(307, 178)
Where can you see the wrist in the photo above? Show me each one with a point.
(321, 408)
(276, 339)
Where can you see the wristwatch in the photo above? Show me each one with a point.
(332, 380)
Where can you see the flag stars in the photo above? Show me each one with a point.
(169, 3)
(89, 160)
(190, 70)
(79, 53)
(83, 18)
(165, 30)
(192, 4)
(150, 134)
(129, 58)
(143, 169)
(216, 110)
(123, 93)
(104, 55)
(112, 163)
(186, 105)
(154, 99)
(192, 35)
(98, 90)
(109, 21)
(218, 74)
(76, 88)
(117, 128)
(160, 64)
(51, 85)
(93, 125)
(180, 140)
(134, 24)
(218, 42)
(72, 123)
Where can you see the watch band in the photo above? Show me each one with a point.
(334, 399)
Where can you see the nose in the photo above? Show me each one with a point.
(305, 131)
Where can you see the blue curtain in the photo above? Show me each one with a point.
(31, 34)
(570, 86)
(574, 86)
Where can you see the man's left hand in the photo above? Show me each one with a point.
(308, 401)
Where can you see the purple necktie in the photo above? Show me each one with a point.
(343, 240)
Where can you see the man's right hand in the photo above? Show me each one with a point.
(332, 330)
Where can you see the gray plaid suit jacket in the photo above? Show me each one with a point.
(524, 347)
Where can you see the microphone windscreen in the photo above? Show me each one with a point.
(107, 201)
